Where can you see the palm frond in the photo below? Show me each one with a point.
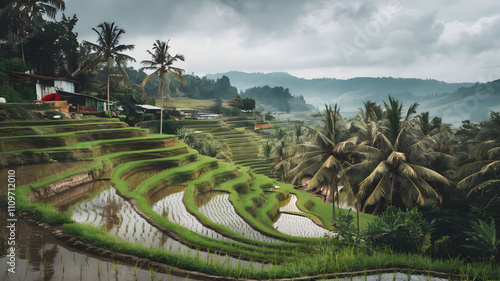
(493, 165)
(149, 77)
(380, 192)
(382, 142)
(494, 153)
(410, 193)
(406, 171)
(429, 175)
(381, 169)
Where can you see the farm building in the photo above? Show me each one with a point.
(44, 85)
(83, 103)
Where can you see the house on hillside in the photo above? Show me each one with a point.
(83, 103)
(44, 85)
(146, 108)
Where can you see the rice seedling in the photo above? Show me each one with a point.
(44, 267)
(116, 266)
(135, 269)
(152, 273)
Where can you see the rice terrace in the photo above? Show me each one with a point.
(118, 165)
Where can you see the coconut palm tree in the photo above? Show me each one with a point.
(161, 64)
(26, 16)
(106, 52)
(31, 9)
(486, 152)
(323, 157)
(393, 172)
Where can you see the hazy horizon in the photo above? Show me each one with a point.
(451, 41)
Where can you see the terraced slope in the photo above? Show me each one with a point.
(243, 144)
(163, 199)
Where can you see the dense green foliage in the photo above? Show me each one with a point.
(277, 98)
(401, 231)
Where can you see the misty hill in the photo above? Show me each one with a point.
(453, 102)
(467, 103)
(321, 90)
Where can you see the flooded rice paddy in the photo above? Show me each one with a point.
(390, 277)
(296, 225)
(219, 209)
(290, 205)
(39, 256)
(111, 212)
(301, 226)
(173, 208)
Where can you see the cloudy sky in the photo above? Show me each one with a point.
(449, 40)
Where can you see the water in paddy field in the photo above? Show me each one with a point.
(389, 277)
(219, 209)
(172, 207)
(111, 212)
(296, 225)
(39, 256)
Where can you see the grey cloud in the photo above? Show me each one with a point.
(307, 36)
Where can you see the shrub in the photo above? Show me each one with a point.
(484, 240)
(401, 231)
(149, 116)
(347, 230)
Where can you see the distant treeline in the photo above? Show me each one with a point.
(278, 98)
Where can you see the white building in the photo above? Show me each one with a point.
(44, 85)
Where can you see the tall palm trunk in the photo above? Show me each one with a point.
(161, 104)
(109, 77)
(333, 184)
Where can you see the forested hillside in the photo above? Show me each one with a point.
(454, 102)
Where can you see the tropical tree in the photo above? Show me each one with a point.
(393, 172)
(428, 126)
(32, 9)
(372, 112)
(161, 65)
(27, 16)
(323, 157)
(486, 152)
(106, 52)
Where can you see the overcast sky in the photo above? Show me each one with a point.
(449, 40)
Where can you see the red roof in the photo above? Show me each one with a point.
(52, 97)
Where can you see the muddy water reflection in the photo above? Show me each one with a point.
(390, 277)
(113, 213)
(108, 210)
(39, 256)
(219, 209)
(294, 225)
(172, 207)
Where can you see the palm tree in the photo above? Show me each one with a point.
(26, 16)
(429, 127)
(394, 117)
(106, 52)
(31, 9)
(392, 172)
(161, 64)
(322, 158)
(486, 150)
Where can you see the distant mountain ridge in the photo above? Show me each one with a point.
(454, 102)
(333, 87)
